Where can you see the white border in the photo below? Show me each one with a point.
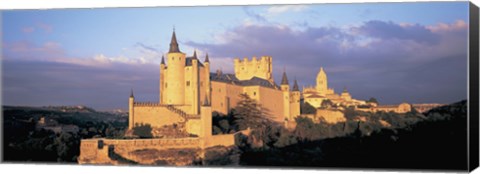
(62, 4)
(55, 4)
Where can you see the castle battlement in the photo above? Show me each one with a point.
(153, 104)
(254, 59)
(246, 69)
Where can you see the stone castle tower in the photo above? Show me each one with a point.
(286, 95)
(291, 98)
(295, 96)
(184, 95)
(186, 81)
(261, 68)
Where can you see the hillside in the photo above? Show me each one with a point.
(432, 140)
(52, 134)
(438, 142)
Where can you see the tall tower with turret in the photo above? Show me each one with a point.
(162, 80)
(322, 85)
(294, 101)
(208, 87)
(131, 102)
(286, 95)
(174, 86)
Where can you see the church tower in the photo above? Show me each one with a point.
(322, 85)
(286, 95)
(175, 75)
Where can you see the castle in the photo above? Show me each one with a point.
(189, 92)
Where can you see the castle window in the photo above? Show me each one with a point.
(166, 85)
(201, 84)
(188, 83)
(173, 58)
(254, 93)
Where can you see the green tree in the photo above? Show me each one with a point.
(250, 114)
(372, 100)
(306, 108)
(143, 130)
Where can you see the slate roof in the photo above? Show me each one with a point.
(231, 79)
(174, 44)
(284, 78)
(295, 86)
(315, 96)
(188, 61)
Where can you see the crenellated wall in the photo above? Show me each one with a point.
(98, 151)
(246, 69)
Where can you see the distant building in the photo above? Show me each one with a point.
(400, 108)
(53, 125)
(315, 96)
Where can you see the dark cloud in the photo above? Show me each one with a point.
(389, 61)
(143, 46)
(390, 30)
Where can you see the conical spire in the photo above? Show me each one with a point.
(206, 58)
(195, 54)
(131, 93)
(174, 44)
(163, 60)
(295, 85)
(284, 79)
(345, 89)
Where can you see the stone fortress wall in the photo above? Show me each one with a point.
(98, 151)
(155, 114)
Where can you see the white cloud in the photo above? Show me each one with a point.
(279, 9)
(458, 25)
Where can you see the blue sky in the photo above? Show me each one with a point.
(392, 51)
